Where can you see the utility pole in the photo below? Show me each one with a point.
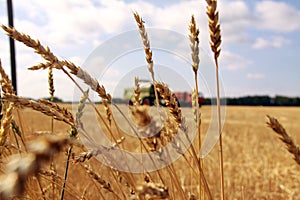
(12, 45)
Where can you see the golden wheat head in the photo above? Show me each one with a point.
(284, 137)
(214, 27)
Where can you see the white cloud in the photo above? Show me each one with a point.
(255, 76)
(277, 16)
(233, 62)
(235, 18)
(273, 42)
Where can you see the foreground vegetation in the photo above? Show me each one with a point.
(42, 152)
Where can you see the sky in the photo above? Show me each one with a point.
(260, 44)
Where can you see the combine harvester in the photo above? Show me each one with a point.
(147, 95)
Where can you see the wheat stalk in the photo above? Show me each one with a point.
(59, 64)
(285, 138)
(194, 39)
(215, 44)
(43, 108)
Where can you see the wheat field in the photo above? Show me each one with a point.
(256, 165)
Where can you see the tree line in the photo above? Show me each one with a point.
(258, 101)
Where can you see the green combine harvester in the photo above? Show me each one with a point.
(147, 94)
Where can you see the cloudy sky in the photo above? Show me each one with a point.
(260, 50)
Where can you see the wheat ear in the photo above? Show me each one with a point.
(53, 61)
(28, 41)
(145, 41)
(59, 64)
(171, 101)
(55, 107)
(6, 124)
(6, 84)
(51, 83)
(285, 138)
(7, 87)
(38, 106)
(147, 49)
(137, 92)
(103, 183)
(215, 44)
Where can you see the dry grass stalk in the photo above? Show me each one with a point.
(41, 107)
(285, 138)
(215, 44)
(171, 101)
(13, 183)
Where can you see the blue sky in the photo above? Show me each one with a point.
(260, 50)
